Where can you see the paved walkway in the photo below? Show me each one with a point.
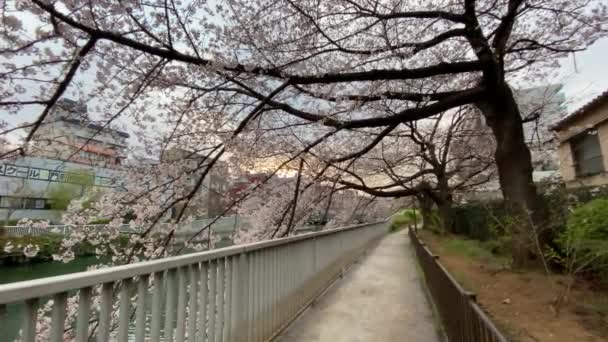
(380, 299)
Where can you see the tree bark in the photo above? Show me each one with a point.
(514, 164)
(443, 200)
(426, 210)
(444, 208)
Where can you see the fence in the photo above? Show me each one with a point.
(17, 231)
(462, 318)
(221, 226)
(240, 293)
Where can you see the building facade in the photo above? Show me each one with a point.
(213, 190)
(69, 134)
(28, 185)
(68, 153)
(583, 144)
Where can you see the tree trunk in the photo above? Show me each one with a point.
(514, 164)
(444, 207)
(444, 201)
(426, 210)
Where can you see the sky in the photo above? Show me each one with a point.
(590, 77)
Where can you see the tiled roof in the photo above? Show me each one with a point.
(597, 101)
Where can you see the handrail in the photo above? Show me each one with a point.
(462, 317)
(64, 229)
(45, 286)
(240, 293)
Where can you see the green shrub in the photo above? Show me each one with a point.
(500, 245)
(434, 225)
(480, 221)
(476, 250)
(100, 221)
(51, 244)
(587, 194)
(403, 218)
(48, 244)
(468, 248)
(585, 239)
(8, 223)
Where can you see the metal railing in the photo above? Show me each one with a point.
(18, 231)
(463, 319)
(239, 293)
(222, 226)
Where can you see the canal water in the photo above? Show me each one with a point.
(22, 272)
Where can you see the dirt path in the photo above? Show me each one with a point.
(520, 302)
(379, 299)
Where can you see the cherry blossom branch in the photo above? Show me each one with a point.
(62, 86)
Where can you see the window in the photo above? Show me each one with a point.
(587, 154)
(39, 203)
(34, 203)
(11, 202)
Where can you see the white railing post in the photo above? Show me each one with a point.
(140, 311)
(105, 314)
(193, 302)
(84, 311)
(30, 315)
(124, 311)
(212, 297)
(180, 332)
(228, 299)
(236, 298)
(219, 300)
(202, 330)
(156, 306)
(170, 304)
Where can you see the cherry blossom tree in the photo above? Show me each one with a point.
(431, 159)
(293, 78)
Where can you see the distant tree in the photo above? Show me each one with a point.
(80, 184)
(431, 160)
(14, 202)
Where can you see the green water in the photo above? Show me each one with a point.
(15, 273)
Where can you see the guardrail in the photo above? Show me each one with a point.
(462, 318)
(223, 225)
(240, 293)
(17, 231)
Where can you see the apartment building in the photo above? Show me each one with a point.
(69, 134)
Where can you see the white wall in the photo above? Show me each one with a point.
(54, 216)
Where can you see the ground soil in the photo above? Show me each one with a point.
(521, 303)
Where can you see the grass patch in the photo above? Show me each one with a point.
(462, 280)
(404, 218)
(596, 304)
(468, 248)
(593, 310)
(475, 250)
